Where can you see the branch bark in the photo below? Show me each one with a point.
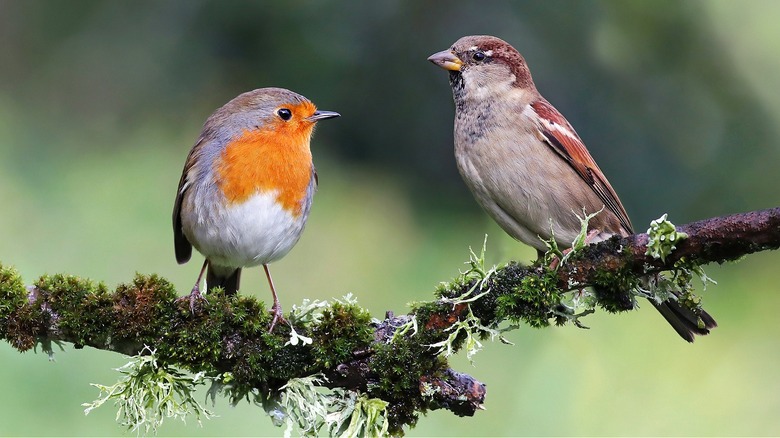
(228, 334)
(718, 240)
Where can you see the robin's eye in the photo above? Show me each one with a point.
(284, 113)
(478, 56)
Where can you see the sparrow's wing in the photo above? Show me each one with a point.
(556, 131)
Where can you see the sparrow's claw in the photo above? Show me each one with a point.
(588, 240)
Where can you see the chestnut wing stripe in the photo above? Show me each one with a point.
(594, 180)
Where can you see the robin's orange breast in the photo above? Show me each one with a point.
(265, 160)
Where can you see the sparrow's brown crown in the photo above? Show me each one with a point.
(477, 50)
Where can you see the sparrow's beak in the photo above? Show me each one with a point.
(322, 115)
(446, 60)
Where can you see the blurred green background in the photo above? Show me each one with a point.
(679, 102)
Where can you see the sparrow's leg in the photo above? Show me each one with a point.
(588, 240)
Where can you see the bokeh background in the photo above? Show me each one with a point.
(679, 102)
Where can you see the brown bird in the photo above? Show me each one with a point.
(525, 164)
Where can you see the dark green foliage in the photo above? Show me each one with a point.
(12, 295)
(613, 290)
(343, 329)
(233, 330)
(400, 365)
(148, 298)
(12, 290)
(520, 294)
(18, 323)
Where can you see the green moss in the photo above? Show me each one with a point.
(87, 322)
(233, 329)
(56, 296)
(527, 296)
(13, 295)
(25, 326)
(267, 361)
(483, 308)
(216, 327)
(402, 363)
(147, 300)
(613, 289)
(67, 291)
(87, 313)
(196, 335)
(249, 316)
(343, 329)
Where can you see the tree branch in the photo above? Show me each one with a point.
(389, 359)
(717, 240)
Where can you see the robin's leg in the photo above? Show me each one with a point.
(195, 293)
(276, 309)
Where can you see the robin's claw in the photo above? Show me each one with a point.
(276, 309)
(195, 295)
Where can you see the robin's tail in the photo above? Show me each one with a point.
(225, 277)
(685, 322)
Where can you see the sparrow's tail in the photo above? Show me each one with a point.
(225, 277)
(685, 322)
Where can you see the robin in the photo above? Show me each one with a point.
(525, 164)
(247, 187)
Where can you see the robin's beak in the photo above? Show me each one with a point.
(322, 115)
(446, 60)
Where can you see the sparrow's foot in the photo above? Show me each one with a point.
(588, 240)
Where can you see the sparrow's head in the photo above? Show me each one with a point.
(480, 64)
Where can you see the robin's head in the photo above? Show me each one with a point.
(260, 141)
(266, 109)
(480, 64)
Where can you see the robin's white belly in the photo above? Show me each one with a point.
(254, 232)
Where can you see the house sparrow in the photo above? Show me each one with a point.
(525, 164)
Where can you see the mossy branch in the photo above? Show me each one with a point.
(714, 240)
(397, 367)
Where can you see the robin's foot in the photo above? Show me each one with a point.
(276, 309)
(193, 297)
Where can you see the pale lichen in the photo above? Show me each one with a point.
(149, 393)
(663, 237)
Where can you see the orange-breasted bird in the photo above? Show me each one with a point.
(247, 187)
(525, 164)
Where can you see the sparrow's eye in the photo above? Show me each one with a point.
(478, 56)
(284, 113)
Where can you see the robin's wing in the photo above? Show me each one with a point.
(561, 137)
(183, 246)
